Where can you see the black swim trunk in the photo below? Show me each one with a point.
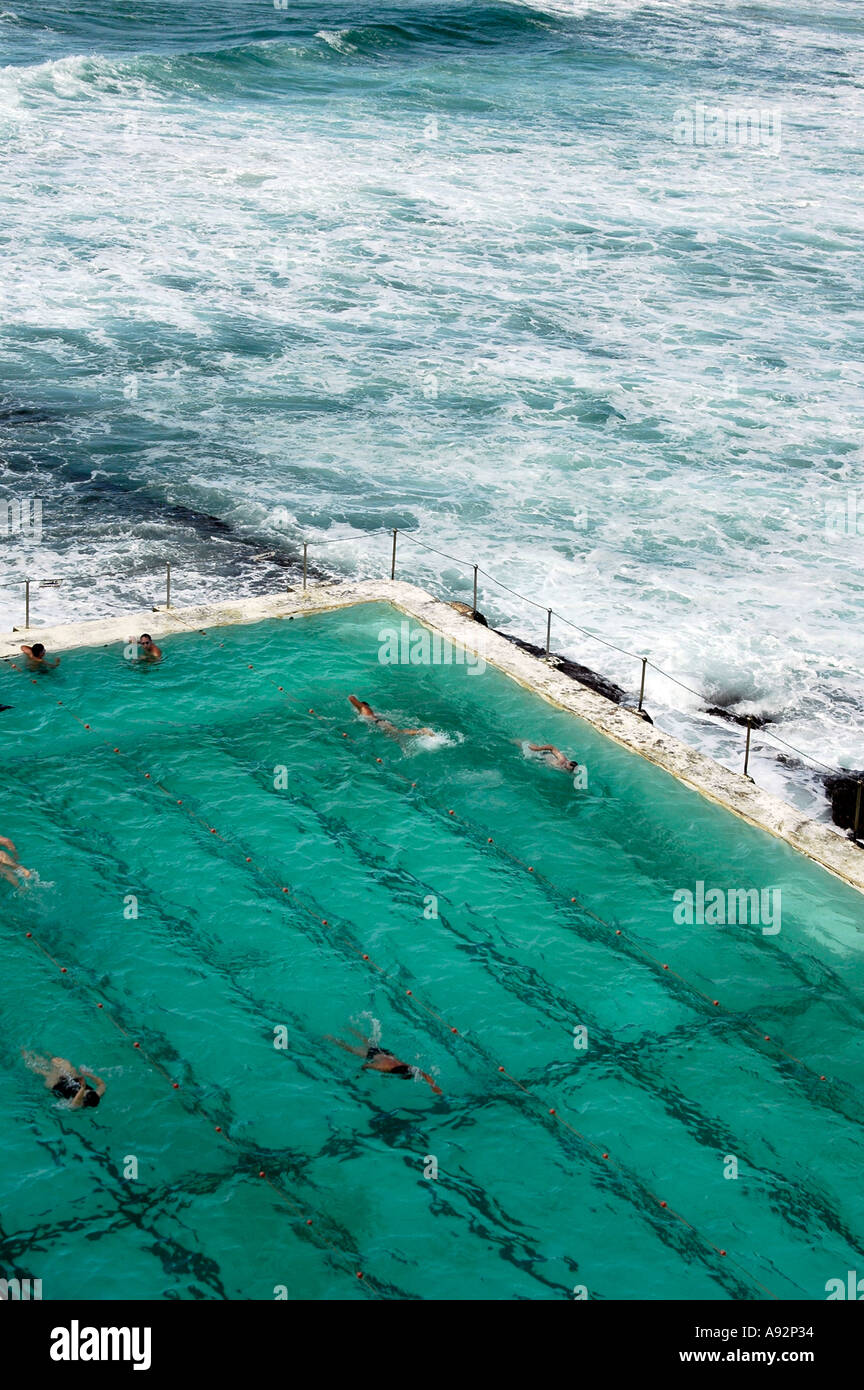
(68, 1086)
(401, 1070)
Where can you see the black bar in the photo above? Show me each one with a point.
(610, 1338)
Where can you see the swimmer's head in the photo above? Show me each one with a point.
(145, 640)
(91, 1099)
(38, 650)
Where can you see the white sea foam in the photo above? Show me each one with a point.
(579, 9)
(337, 39)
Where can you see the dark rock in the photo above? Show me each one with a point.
(843, 791)
(468, 612)
(583, 674)
(755, 719)
(788, 760)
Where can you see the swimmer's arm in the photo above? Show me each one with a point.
(542, 748)
(100, 1084)
(79, 1099)
(436, 1089)
(7, 844)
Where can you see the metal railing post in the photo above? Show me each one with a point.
(548, 629)
(475, 589)
(747, 746)
(167, 583)
(26, 603)
(857, 824)
(642, 686)
(393, 558)
(305, 545)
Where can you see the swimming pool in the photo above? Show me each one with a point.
(256, 865)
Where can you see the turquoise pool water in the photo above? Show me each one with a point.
(219, 957)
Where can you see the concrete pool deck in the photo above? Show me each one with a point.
(732, 790)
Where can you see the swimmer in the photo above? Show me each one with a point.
(554, 757)
(10, 868)
(379, 1059)
(367, 712)
(65, 1082)
(37, 660)
(149, 650)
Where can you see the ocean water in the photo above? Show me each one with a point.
(162, 839)
(269, 274)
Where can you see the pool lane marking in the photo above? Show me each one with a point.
(552, 1112)
(634, 945)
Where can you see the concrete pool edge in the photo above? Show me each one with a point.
(731, 790)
